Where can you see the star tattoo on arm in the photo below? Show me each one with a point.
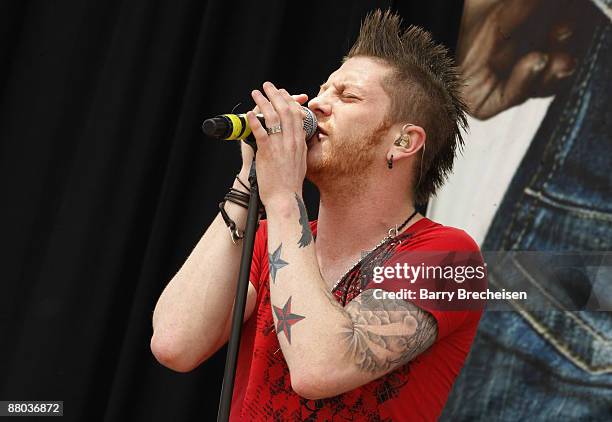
(306, 238)
(286, 319)
(276, 263)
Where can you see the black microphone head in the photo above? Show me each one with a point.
(310, 123)
(217, 127)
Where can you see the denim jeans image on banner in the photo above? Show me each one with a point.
(552, 363)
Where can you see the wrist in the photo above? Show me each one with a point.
(282, 205)
(241, 184)
(244, 178)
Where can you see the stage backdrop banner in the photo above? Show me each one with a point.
(534, 178)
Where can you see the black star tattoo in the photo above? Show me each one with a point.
(276, 263)
(286, 319)
(306, 232)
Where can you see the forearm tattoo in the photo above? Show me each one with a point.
(306, 238)
(383, 334)
(275, 262)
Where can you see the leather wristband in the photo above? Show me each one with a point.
(235, 233)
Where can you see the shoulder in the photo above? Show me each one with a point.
(433, 236)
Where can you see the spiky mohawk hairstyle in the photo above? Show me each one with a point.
(424, 88)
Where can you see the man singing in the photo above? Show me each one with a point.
(320, 341)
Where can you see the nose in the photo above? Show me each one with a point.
(320, 106)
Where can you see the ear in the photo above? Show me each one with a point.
(409, 141)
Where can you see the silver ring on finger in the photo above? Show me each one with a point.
(274, 129)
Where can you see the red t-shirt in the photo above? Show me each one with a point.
(415, 391)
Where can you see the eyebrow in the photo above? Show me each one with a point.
(341, 84)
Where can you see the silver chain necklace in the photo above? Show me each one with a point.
(393, 232)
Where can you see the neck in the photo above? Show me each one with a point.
(356, 219)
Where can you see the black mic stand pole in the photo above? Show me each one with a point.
(241, 295)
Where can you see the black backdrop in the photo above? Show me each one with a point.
(107, 182)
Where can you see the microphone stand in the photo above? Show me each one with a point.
(233, 347)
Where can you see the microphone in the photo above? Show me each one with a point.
(236, 127)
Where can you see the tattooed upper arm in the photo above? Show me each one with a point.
(384, 334)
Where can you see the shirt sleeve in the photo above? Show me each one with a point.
(260, 249)
(431, 274)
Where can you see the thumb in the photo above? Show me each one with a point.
(520, 85)
(525, 77)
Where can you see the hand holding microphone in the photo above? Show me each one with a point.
(281, 145)
(222, 127)
(280, 118)
(236, 127)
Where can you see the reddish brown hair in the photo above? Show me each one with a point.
(424, 88)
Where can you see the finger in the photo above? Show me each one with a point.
(300, 98)
(560, 34)
(518, 87)
(298, 106)
(298, 111)
(260, 133)
(281, 105)
(560, 67)
(525, 77)
(565, 33)
(300, 114)
(271, 117)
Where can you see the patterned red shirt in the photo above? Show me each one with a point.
(415, 391)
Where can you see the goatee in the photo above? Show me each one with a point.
(346, 157)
